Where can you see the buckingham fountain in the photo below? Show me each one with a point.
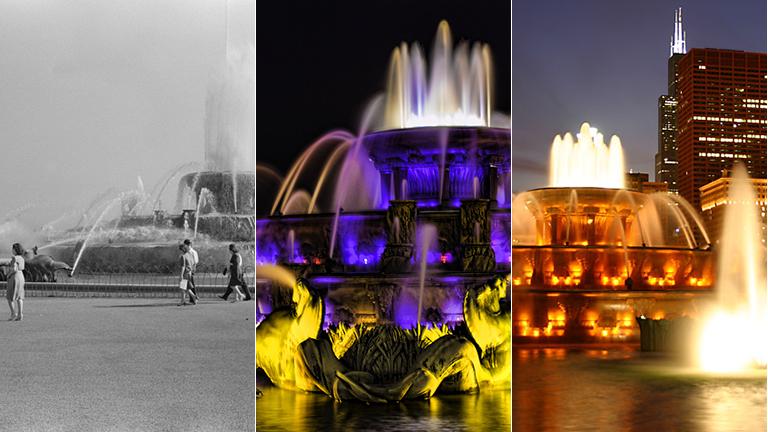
(595, 262)
(589, 255)
(385, 277)
(130, 235)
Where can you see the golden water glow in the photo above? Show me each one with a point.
(726, 347)
(587, 161)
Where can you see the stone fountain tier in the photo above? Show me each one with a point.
(220, 184)
(415, 156)
(601, 316)
(232, 227)
(584, 238)
(578, 268)
(148, 257)
(364, 238)
(373, 298)
(605, 217)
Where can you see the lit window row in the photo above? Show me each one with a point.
(733, 140)
(724, 155)
(728, 119)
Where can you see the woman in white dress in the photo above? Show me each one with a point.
(14, 292)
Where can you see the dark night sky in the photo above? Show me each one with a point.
(604, 61)
(318, 63)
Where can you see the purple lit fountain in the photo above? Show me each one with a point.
(430, 155)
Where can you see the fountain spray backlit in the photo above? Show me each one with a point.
(587, 161)
(456, 91)
(733, 337)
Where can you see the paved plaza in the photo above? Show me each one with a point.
(123, 364)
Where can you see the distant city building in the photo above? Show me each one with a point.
(638, 182)
(634, 180)
(666, 157)
(714, 200)
(721, 116)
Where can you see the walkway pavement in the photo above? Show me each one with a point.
(127, 365)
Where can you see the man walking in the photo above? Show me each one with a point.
(236, 274)
(193, 254)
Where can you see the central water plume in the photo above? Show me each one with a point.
(586, 162)
(458, 91)
(229, 126)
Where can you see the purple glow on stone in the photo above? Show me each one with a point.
(264, 308)
(326, 280)
(452, 306)
(500, 241)
(330, 308)
(406, 311)
(428, 203)
(451, 279)
(362, 254)
(433, 252)
(267, 253)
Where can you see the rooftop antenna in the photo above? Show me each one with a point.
(677, 41)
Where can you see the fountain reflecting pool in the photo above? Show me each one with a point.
(617, 387)
(280, 409)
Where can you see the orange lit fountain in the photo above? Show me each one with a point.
(589, 255)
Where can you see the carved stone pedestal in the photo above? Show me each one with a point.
(401, 229)
(478, 258)
(476, 253)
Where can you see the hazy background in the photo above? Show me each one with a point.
(605, 62)
(95, 93)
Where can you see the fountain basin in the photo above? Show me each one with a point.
(587, 260)
(232, 192)
(475, 163)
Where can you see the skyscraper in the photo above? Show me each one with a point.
(666, 158)
(721, 116)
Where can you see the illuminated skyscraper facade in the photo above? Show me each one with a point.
(721, 116)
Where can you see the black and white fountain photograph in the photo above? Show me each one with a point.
(127, 215)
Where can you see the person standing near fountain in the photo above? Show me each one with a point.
(236, 277)
(15, 285)
(195, 259)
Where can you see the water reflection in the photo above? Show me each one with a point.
(620, 389)
(283, 410)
